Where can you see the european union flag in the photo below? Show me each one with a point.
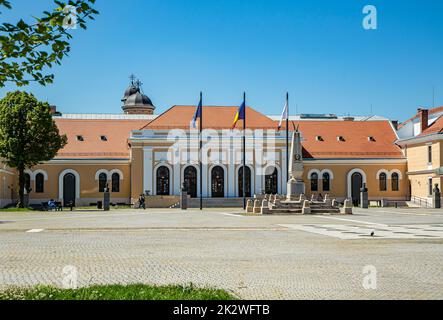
(198, 113)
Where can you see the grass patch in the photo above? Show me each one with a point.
(117, 292)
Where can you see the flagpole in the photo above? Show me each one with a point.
(244, 153)
(200, 152)
(287, 135)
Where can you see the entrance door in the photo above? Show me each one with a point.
(191, 181)
(356, 185)
(68, 189)
(271, 181)
(218, 182)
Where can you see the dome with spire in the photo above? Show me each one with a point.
(134, 101)
(132, 89)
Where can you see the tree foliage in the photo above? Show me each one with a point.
(28, 133)
(27, 49)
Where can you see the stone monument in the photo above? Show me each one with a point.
(364, 200)
(184, 197)
(296, 186)
(106, 199)
(436, 197)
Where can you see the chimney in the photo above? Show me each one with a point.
(424, 119)
(54, 111)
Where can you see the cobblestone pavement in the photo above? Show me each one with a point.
(255, 257)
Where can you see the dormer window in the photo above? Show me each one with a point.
(371, 139)
(319, 138)
(80, 138)
(103, 138)
(341, 139)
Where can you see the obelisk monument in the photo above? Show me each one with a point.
(296, 186)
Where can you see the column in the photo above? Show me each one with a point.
(205, 180)
(284, 173)
(147, 170)
(177, 173)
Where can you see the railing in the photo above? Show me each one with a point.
(422, 202)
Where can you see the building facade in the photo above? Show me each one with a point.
(139, 152)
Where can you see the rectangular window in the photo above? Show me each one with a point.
(430, 154)
(430, 186)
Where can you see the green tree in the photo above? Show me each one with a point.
(28, 49)
(28, 134)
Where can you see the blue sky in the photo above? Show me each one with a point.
(316, 50)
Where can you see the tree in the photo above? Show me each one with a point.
(28, 134)
(27, 49)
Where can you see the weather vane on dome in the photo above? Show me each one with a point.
(132, 78)
(139, 84)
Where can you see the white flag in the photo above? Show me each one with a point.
(284, 115)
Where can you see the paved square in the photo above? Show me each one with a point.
(352, 232)
(255, 257)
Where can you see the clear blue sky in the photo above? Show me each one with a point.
(317, 50)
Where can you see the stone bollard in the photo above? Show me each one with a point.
(328, 202)
(271, 198)
(265, 207)
(257, 206)
(306, 207)
(347, 208)
(249, 206)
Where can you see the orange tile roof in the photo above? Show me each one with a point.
(214, 117)
(355, 133)
(116, 131)
(436, 127)
(356, 143)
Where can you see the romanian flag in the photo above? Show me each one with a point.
(240, 115)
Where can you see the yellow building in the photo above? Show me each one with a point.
(422, 144)
(138, 152)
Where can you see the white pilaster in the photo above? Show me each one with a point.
(205, 180)
(231, 176)
(177, 174)
(147, 170)
(284, 181)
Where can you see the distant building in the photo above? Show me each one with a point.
(421, 139)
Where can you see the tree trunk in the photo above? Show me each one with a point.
(21, 188)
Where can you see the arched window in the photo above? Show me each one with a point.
(394, 181)
(102, 179)
(218, 182)
(115, 182)
(271, 181)
(326, 182)
(27, 182)
(314, 182)
(190, 179)
(382, 181)
(39, 183)
(163, 181)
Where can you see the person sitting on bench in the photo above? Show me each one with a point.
(52, 205)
